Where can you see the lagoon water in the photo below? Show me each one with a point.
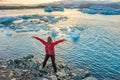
(93, 41)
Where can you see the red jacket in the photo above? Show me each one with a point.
(49, 47)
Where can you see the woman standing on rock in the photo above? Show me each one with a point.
(49, 49)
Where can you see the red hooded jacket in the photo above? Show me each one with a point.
(49, 47)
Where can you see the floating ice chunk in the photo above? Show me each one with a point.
(98, 9)
(48, 9)
(18, 21)
(90, 11)
(74, 35)
(12, 26)
(7, 19)
(34, 20)
(46, 19)
(24, 23)
(111, 12)
(2, 25)
(54, 33)
(61, 8)
(61, 18)
(50, 17)
(26, 16)
(27, 25)
(63, 29)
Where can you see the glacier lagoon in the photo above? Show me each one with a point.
(93, 41)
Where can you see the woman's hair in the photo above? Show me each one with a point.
(49, 38)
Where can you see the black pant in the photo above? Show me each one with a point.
(53, 62)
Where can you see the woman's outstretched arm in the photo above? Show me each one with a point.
(41, 40)
(59, 41)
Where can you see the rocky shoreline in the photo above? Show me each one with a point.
(28, 68)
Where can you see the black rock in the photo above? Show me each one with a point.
(30, 56)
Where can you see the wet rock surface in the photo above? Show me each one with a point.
(28, 68)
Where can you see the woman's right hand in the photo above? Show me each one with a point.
(64, 40)
(33, 36)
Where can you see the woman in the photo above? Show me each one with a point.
(49, 49)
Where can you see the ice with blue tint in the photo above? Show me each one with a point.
(51, 9)
(54, 33)
(7, 20)
(74, 35)
(97, 9)
(2, 25)
(29, 23)
(48, 9)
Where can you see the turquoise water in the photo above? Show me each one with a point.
(97, 48)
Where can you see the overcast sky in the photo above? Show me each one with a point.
(28, 2)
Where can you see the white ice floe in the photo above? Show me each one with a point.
(71, 32)
(36, 21)
(18, 21)
(30, 23)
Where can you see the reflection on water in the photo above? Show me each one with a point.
(97, 49)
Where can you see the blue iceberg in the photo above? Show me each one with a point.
(7, 19)
(75, 35)
(48, 9)
(98, 9)
(51, 9)
(54, 33)
(2, 25)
